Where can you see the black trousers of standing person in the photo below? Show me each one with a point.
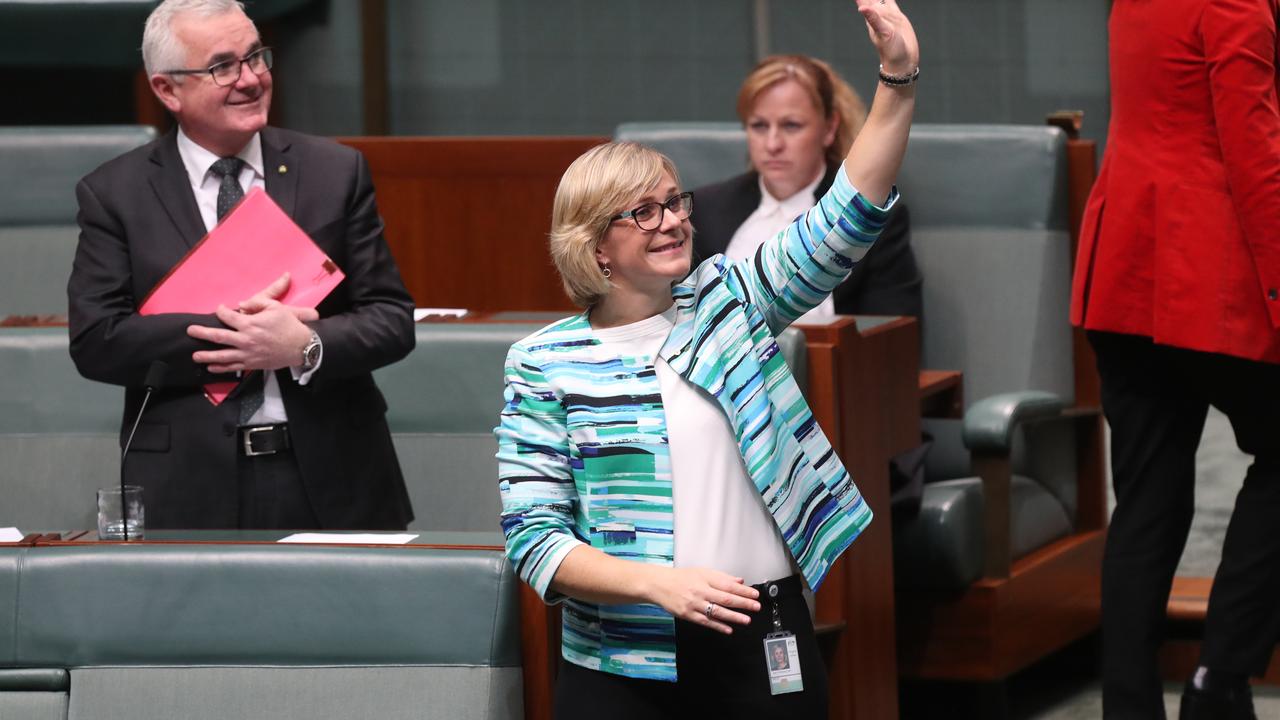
(1156, 399)
(719, 676)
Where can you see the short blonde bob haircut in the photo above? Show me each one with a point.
(830, 94)
(602, 182)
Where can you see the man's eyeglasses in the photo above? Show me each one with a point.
(649, 215)
(227, 72)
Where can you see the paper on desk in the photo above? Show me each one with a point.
(351, 538)
(420, 313)
(11, 534)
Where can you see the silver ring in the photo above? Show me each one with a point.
(709, 610)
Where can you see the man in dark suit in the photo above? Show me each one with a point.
(886, 282)
(302, 442)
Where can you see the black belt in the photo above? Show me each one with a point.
(264, 439)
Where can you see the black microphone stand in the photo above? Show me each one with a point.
(153, 381)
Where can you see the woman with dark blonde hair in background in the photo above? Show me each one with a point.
(801, 118)
(661, 474)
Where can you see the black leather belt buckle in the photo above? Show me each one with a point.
(264, 439)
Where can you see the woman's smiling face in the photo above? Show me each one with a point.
(648, 260)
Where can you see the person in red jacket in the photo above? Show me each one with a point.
(1178, 284)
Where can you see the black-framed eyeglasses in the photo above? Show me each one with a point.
(227, 72)
(649, 215)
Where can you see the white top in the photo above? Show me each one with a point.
(204, 183)
(770, 218)
(720, 519)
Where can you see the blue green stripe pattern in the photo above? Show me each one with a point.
(582, 438)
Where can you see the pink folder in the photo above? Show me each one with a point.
(252, 246)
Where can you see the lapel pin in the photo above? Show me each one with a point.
(282, 169)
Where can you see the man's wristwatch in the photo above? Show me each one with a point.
(311, 353)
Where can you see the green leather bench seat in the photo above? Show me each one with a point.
(989, 231)
(298, 631)
(38, 230)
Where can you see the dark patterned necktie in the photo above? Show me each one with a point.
(229, 193)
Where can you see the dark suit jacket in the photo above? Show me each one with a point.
(886, 282)
(138, 218)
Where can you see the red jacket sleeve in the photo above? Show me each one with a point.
(1240, 51)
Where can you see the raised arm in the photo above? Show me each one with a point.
(796, 269)
(873, 160)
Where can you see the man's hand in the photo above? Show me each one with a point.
(268, 296)
(262, 335)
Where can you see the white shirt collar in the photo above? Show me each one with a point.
(197, 160)
(792, 206)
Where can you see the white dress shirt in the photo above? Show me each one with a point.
(721, 521)
(204, 182)
(770, 218)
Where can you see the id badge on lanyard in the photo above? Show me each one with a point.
(781, 656)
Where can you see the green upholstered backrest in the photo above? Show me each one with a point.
(704, 152)
(45, 393)
(263, 604)
(38, 232)
(58, 433)
(43, 164)
(226, 630)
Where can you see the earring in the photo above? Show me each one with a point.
(604, 270)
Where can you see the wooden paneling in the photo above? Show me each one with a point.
(467, 218)
(997, 627)
(864, 391)
(539, 653)
(373, 67)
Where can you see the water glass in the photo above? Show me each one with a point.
(111, 525)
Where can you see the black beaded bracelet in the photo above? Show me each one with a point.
(898, 80)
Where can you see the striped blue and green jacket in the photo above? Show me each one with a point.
(582, 440)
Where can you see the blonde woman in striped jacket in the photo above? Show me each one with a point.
(661, 474)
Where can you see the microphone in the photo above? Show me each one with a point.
(153, 381)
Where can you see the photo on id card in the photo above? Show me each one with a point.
(783, 661)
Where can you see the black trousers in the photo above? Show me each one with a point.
(719, 676)
(271, 494)
(1156, 399)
